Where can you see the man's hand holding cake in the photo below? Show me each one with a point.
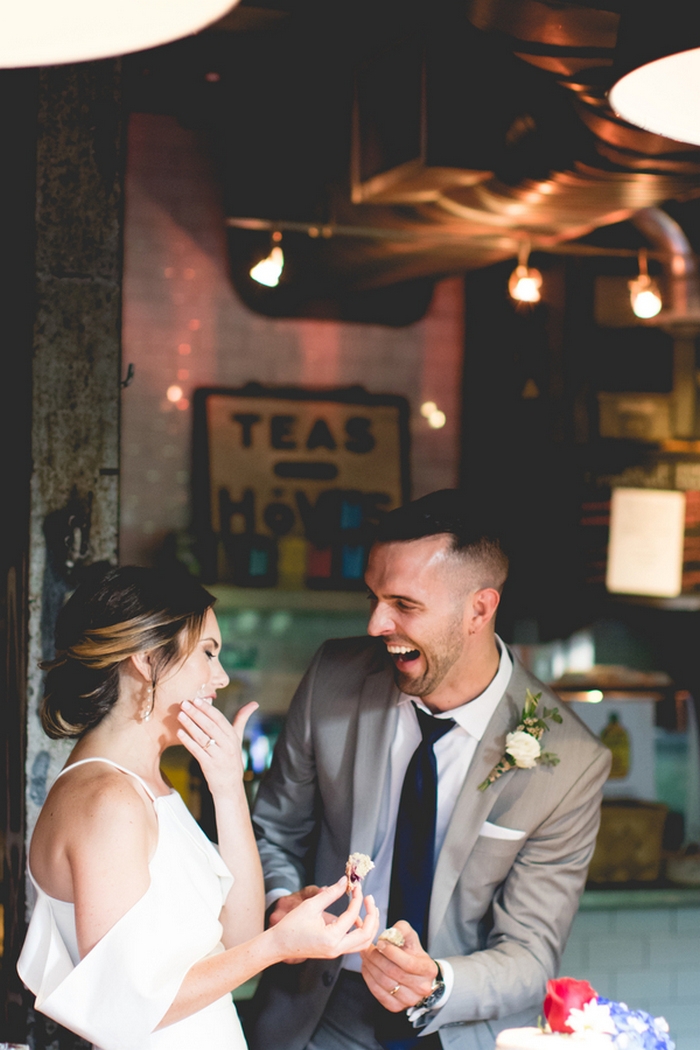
(399, 976)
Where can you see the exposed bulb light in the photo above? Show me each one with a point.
(427, 408)
(525, 282)
(269, 270)
(47, 33)
(645, 296)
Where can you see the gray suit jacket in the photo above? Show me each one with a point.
(501, 909)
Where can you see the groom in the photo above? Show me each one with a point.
(388, 749)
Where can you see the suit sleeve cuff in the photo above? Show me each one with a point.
(274, 895)
(420, 1018)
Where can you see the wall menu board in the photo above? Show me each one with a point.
(288, 483)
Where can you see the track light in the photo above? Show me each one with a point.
(525, 282)
(645, 296)
(269, 270)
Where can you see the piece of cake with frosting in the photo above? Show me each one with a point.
(358, 865)
(577, 1018)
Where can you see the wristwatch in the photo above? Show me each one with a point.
(435, 994)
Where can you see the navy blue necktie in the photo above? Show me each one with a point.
(414, 859)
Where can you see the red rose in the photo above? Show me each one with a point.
(564, 995)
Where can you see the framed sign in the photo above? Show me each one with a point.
(289, 483)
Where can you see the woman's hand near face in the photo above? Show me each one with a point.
(221, 761)
(215, 742)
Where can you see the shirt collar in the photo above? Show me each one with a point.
(475, 715)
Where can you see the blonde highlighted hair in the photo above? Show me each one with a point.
(111, 616)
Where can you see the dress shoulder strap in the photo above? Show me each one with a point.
(109, 762)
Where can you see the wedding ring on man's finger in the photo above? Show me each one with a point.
(394, 990)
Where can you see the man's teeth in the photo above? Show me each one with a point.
(400, 650)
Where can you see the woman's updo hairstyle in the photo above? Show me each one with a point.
(110, 616)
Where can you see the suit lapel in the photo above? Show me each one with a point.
(378, 713)
(473, 806)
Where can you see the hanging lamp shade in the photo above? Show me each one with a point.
(53, 32)
(657, 67)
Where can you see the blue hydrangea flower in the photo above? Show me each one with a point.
(636, 1029)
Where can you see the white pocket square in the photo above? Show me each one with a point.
(496, 831)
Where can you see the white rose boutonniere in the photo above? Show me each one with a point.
(523, 749)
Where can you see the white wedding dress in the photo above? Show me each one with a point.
(117, 995)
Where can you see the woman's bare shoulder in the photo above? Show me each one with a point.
(85, 808)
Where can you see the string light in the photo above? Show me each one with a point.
(645, 296)
(269, 270)
(525, 282)
(435, 417)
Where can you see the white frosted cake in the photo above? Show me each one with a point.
(539, 1039)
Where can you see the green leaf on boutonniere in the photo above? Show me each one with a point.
(523, 742)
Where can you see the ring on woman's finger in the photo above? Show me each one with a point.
(394, 990)
(209, 743)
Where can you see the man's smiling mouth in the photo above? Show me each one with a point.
(402, 654)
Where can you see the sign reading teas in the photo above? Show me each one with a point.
(295, 481)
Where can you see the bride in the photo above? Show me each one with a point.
(142, 927)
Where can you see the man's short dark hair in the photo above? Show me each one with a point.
(448, 512)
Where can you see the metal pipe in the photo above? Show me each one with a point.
(679, 263)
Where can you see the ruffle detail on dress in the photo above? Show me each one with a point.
(119, 992)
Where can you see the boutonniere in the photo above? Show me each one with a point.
(523, 748)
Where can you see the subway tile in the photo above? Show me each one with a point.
(688, 985)
(619, 953)
(594, 923)
(683, 1018)
(654, 986)
(638, 921)
(688, 1042)
(675, 953)
(575, 958)
(604, 982)
(688, 919)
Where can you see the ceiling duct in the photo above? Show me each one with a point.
(475, 125)
(681, 280)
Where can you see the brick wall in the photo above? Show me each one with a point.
(184, 326)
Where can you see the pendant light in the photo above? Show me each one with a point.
(525, 282)
(657, 68)
(645, 296)
(54, 32)
(269, 270)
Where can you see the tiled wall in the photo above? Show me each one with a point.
(183, 326)
(649, 959)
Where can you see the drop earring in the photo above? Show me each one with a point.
(148, 706)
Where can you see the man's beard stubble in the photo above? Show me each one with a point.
(439, 659)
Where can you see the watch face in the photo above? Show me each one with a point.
(434, 996)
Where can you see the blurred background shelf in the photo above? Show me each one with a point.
(271, 598)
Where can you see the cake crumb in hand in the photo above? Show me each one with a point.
(393, 936)
(358, 865)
